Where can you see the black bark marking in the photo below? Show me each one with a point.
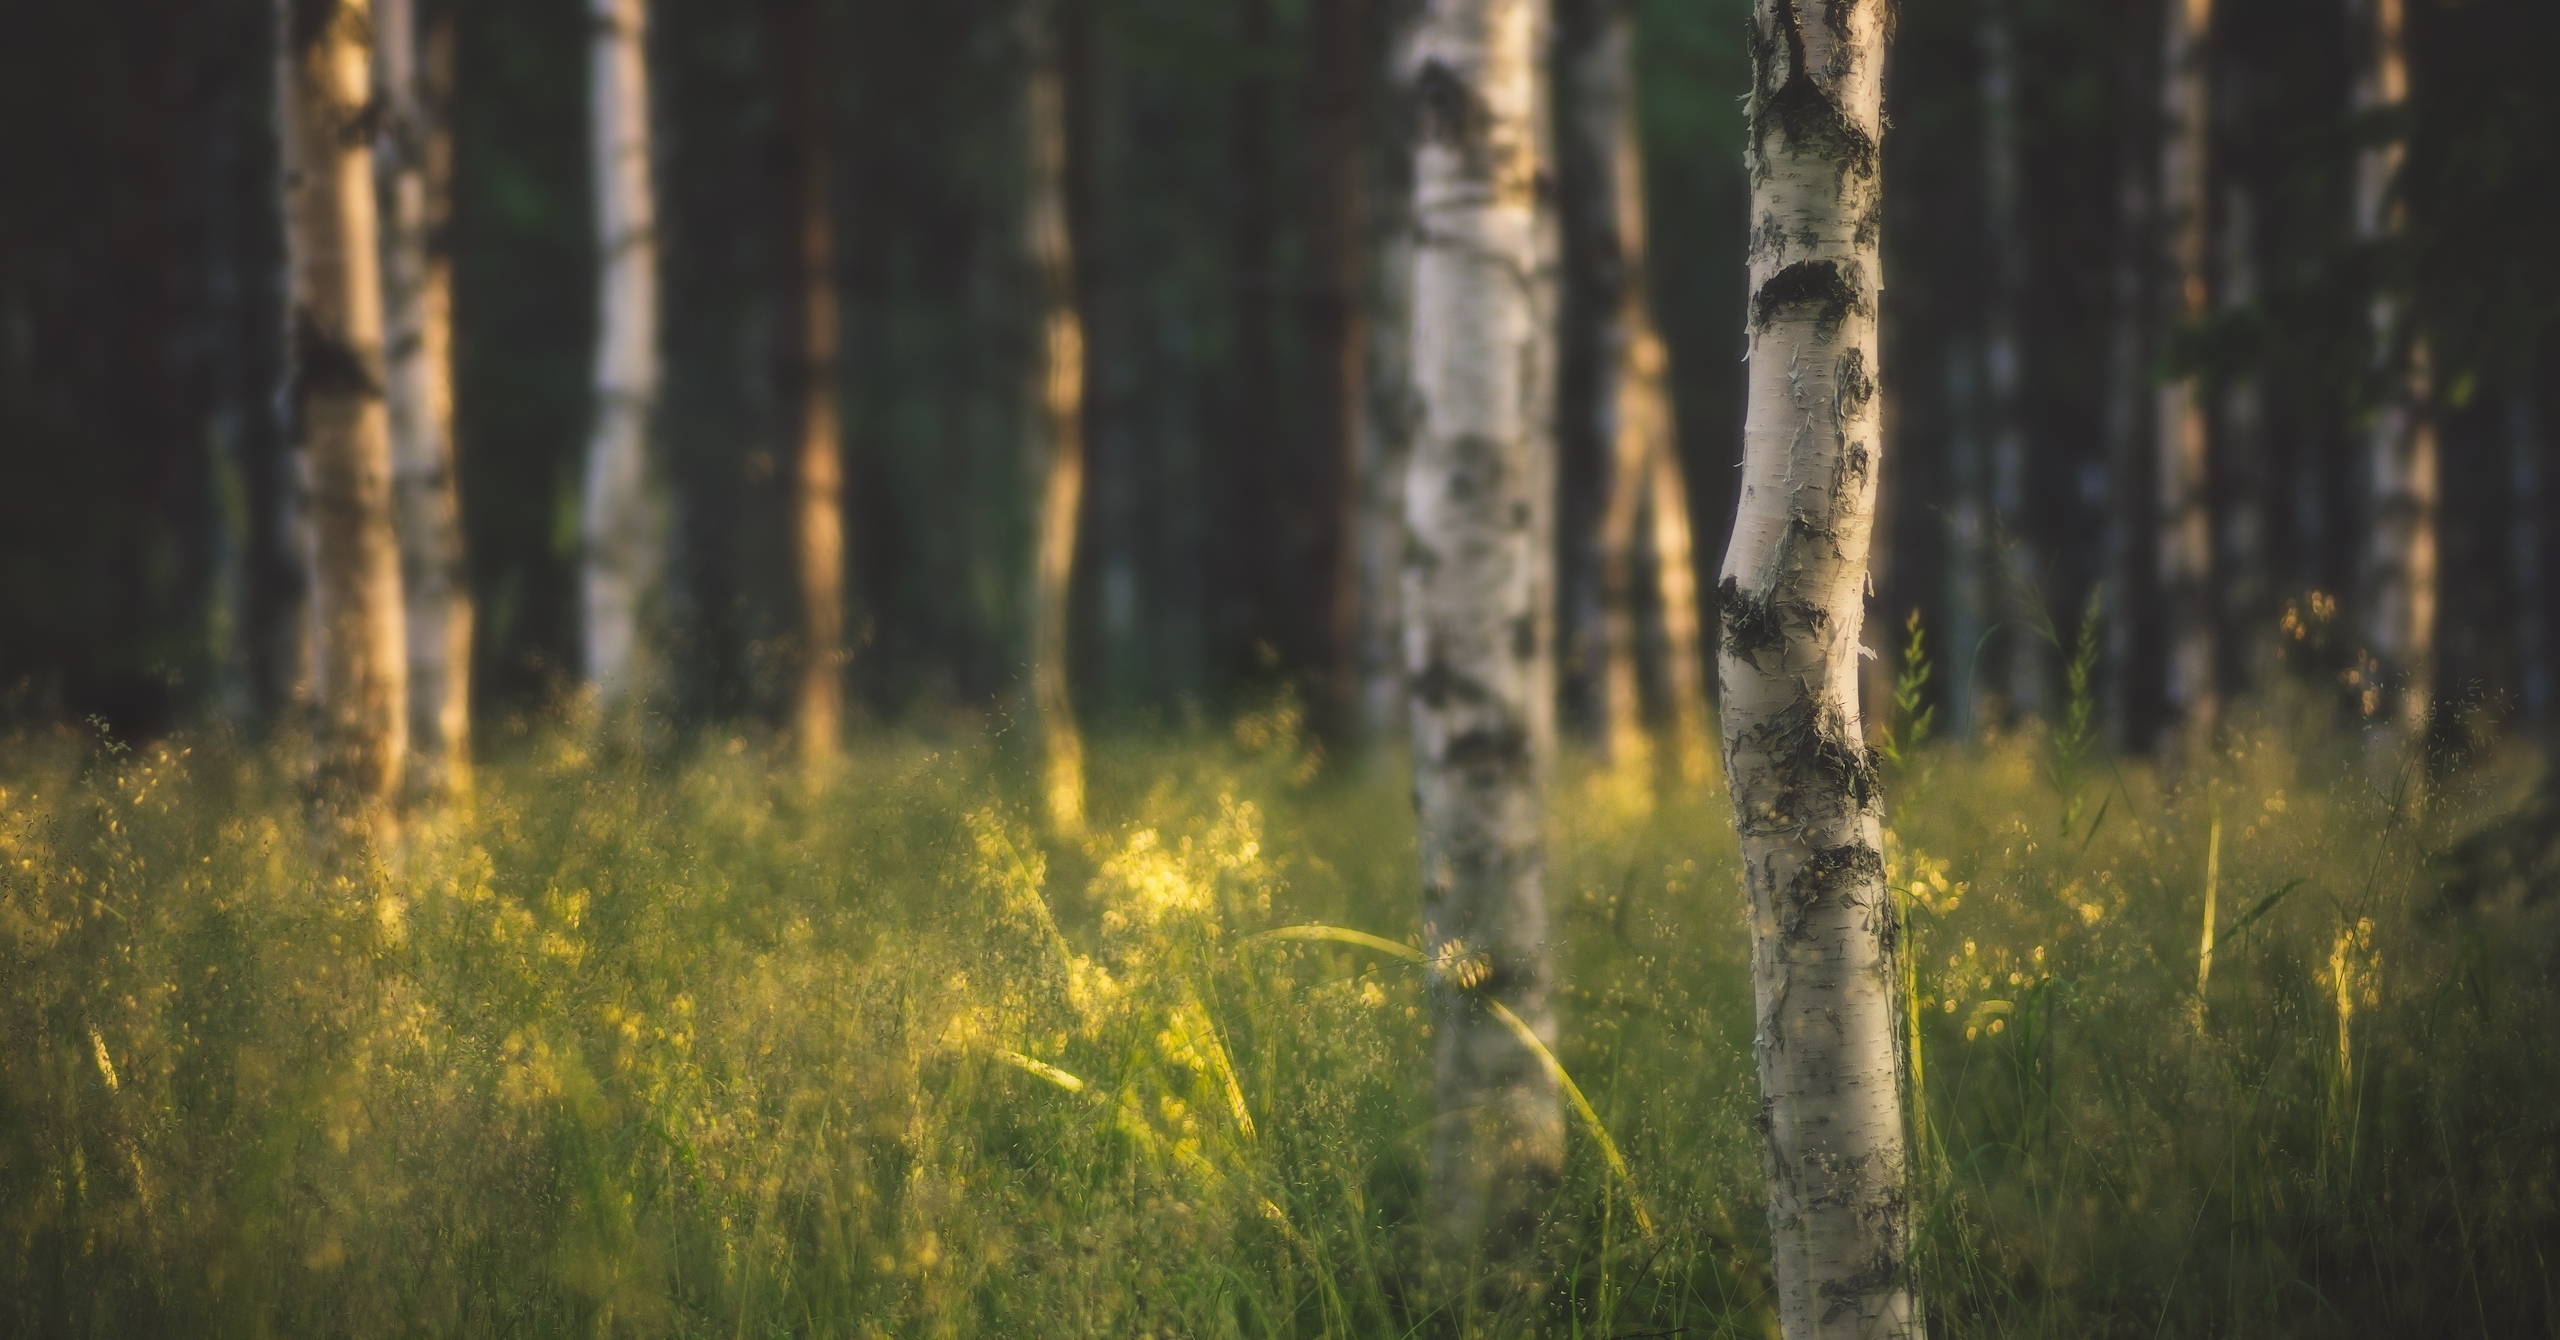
(1499, 747)
(1814, 764)
(1524, 638)
(1476, 469)
(326, 365)
(1856, 386)
(1450, 110)
(1750, 623)
(1812, 119)
(1438, 686)
(1825, 285)
(1835, 874)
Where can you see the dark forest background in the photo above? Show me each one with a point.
(140, 333)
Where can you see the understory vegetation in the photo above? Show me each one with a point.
(674, 1040)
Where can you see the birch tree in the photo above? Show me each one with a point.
(1478, 560)
(1056, 419)
(1792, 601)
(413, 48)
(798, 32)
(2399, 595)
(1627, 409)
(334, 397)
(621, 521)
(2183, 519)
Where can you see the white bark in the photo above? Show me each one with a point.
(1057, 415)
(338, 424)
(623, 569)
(413, 51)
(1792, 600)
(2184, 517)
(2400, 445)
(1479, 564)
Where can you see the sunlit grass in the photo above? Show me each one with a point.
(676, 1041)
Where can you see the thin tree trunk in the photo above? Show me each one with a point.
(2526, 542)
(2246, 601)
(623, 571)
(809, 387)
(2020, 568)
(2184, 517)
(1338, 331)
(1057, 417)
(1968, 590)
(413, 46)
(1792, 599)
(1684, 673)
(2129, 703)
(1479, 558)
(334, 400)
(1621, 416)
(2400, 443)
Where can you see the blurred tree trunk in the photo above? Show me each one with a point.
(413, 48)
(623, 571)
(2184, 517)
(2526, 542)
(1343, 77)
(334, 399)
(1968, 587)
(1478, 559)
(1057, 411)
(797, 29)
(2128, 701)
(2399, 595)
(1388, 418)
(1675, 559)
(1791, 601)
(2244, 481)
(2022, 670)
(1619, 415)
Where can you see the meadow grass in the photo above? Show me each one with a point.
(677, 1041)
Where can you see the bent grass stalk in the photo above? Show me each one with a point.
(1519, 1029)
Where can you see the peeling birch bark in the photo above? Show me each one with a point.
(336, 418)
(413, 48)
(1057, 414)
(1792, 600)
(1479, 561)
(622, 574)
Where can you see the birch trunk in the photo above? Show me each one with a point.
(1792, 601)
(1626, 414)
(622, 574)
(809, 387)
(413, 47)
(1479, 559)
(2022, 668)
(2400, 443)
(334, 397)
(1338, 332)
(1057, 417)
(2184, 516)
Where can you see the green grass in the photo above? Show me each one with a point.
(676, 1043)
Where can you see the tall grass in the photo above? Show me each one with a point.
(681, 1043)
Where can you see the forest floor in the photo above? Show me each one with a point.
(676, 1041)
